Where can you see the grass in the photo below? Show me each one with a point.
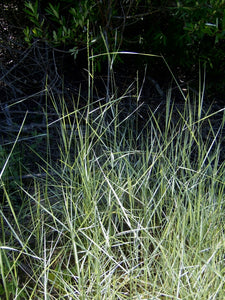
(123, 213)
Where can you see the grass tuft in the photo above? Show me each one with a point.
(123, 213)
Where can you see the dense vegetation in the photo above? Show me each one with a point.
(184, 32)
(111, 150)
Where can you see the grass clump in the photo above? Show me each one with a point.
(123, 214)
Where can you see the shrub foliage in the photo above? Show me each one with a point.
(183, 30)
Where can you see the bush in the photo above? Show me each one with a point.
(183, 31)
(66, 23)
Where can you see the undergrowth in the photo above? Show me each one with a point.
(123, 213)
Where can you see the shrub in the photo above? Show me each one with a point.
(183, 31)
(66, 22)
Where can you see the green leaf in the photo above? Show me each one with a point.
(54, 10)
(55, 37)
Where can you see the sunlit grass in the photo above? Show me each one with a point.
(122, 214)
